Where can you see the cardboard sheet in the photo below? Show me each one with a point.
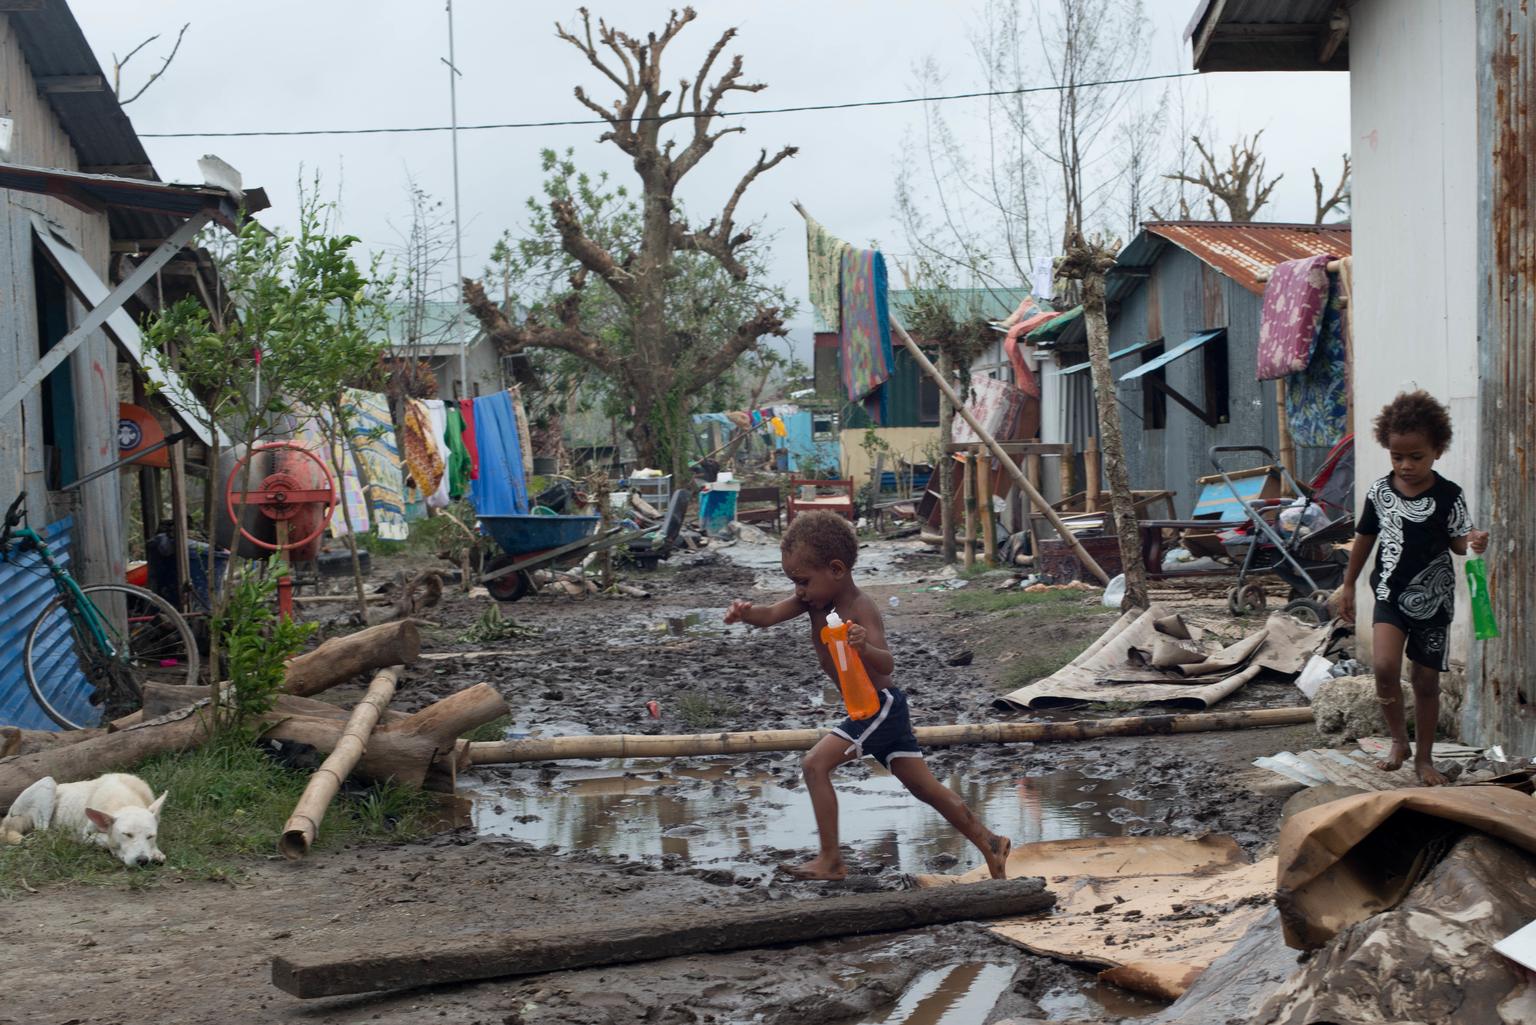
(1344, 861)
(1152, 656)
(1154, 911)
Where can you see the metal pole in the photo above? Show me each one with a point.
(458, 223)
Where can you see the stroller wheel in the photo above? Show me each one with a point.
(1309, 611)
(1245, 600)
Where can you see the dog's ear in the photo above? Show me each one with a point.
(159, 802)
(100, 819)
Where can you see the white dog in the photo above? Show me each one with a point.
(116, 811)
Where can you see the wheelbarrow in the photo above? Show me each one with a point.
(536, 542)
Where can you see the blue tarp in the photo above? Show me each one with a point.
(502, 489)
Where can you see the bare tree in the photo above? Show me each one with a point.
(1239, 186)
(655, 373)
(1339, 200)
(119, 64)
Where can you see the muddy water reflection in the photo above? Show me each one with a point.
(717, 813)
(960, 994)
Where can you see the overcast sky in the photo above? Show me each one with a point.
(285, 64)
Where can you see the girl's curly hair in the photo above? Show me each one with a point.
(1415, 412)
(825, 536)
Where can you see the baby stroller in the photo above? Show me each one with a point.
(1294, 539)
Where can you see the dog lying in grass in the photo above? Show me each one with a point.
(116, 811)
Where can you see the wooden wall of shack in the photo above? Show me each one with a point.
(39, 140)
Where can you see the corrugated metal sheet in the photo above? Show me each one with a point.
(25, 588)
(1266, 35)
(1500, 705)
(1240, 251)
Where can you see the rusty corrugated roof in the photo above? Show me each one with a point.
(1243, 251)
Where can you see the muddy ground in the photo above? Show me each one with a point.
(586, 842)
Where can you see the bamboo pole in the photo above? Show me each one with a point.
(918, 357)
(1283, 428)
(946, 467)
(968, 489)
(984, 505)
(692, 744)
(302, 826)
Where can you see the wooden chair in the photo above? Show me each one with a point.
(839, 498)
(771, 512)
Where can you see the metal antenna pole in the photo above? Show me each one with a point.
(458, 224)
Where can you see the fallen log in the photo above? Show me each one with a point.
(15, 740)
(690, 744)
(105, 752)
(304, 824)
(162, 698)
(400, 758)
(341, 658)
(700, 931)
(446, 720)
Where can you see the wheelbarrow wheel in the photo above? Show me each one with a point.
(1246, 600)
(1308, 611)
(508, 587)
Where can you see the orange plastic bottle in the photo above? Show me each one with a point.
(852, 679)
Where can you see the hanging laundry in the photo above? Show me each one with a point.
(377, 457)
(778, 427)
(1317, 398)
(824, 254)
(1030, 315)
(467, 411)
(1294, 300)
(865, 338)
(438, 411)
(458, 454)
(502, 487)
(422, 456)
(312, 430)
(995, 404)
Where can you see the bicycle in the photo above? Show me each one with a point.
(153, 644)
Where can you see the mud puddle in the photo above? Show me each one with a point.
(720, 814)
(961, 994)
(880, 562)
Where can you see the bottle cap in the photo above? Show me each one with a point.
(834, 620)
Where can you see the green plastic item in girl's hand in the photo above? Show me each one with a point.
(1484, 626)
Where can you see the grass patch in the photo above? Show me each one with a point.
(496, 729)
(227, 806)
(1055, 605)
(702, 712)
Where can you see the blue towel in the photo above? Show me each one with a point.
(501, 489)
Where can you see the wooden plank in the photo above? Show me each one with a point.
(690, 931)
(71, 83)
(1017, 448)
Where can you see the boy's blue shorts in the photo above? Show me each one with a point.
(886, 735)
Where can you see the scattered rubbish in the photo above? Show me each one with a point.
(1348, 667)
(963, 658)
(895, 602)
(1314, 674)
(1357, 768)
(1114, 594)
(654, 708)
(1155, 911)
(1344, 861)
(1153, 656)
(1484, 626)
(1427, 959)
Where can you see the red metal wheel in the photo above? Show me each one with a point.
(280, 496)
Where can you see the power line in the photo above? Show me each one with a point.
(669, 117)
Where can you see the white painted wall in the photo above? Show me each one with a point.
(1413, 114)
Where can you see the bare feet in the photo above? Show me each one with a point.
(823, 866)
(1395, 757)
(996, 853)
(1429, 775)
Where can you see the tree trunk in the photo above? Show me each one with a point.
(446, 720)
(165, 698)
(108, 752)
(698, 744)
(698, 931)
(391, 757)
(341, 658)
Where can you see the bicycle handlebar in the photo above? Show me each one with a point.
(14, 517)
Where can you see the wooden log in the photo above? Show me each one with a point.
(1093, 473)
(699, 931)
(968, 490)
(17, 741)
(341, 658)
(921, 359)
(401, 758)
(446, 720)
(984, 505)
(690, 744)
(162, 698)
(10, 740)
(303, 825)
(106, 752)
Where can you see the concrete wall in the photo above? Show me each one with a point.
(1413, 115)
(39, 140)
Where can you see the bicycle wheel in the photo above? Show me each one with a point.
(156, 647)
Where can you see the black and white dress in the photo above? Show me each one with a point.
(1415, 579)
